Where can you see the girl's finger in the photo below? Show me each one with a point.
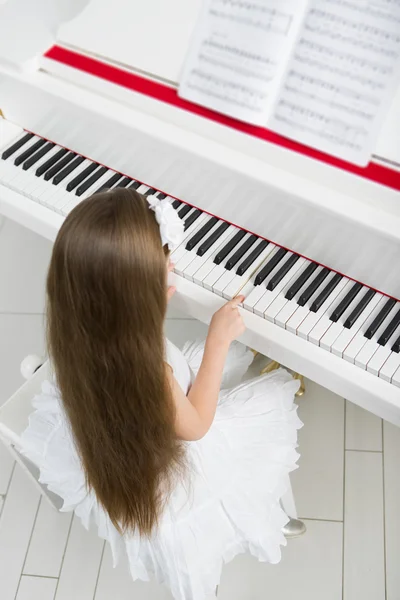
(236, 301)
(171, 266)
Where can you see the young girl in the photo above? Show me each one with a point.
(180, 466)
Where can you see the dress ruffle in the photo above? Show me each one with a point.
(239, 472)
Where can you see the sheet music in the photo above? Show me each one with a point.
(238, 54)
(341, 76)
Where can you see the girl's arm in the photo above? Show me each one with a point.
(195, 412)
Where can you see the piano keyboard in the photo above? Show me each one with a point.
(340, 316)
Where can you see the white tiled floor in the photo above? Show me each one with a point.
(347, 488)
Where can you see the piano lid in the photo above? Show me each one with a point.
(152, 38)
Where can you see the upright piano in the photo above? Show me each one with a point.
(90, 102)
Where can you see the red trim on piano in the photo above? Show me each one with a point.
(373, 171)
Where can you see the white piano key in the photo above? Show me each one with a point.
(312, 318)
(254, 297)
(194, 267)
(62, 196)
(327, 341)
(190, 255)
(270, 295)
(320, 328)
(359, 340)
(396, 378)
(74, 200)
(12, 171)
(371, 346)
(33, 180)
(228, 276)
(381, 355)
(209, 264)
(390, 367)
(52, 192)
(301, 312)
(219, 270)
(239, 284)
(280, 301)
(290, 307)
(181, 249)
(347, 335)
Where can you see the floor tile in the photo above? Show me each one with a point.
(118, 584)
(6, 468)
(311, 569)
(16, 524)
(364, 572)
(180, 331)
(318, 483)
(363, 429)
(391, 458)
(36, 588)
(20, 335)
(24, 258)
(48, 541)
(81, 564)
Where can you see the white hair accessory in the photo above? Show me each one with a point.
(171, 226)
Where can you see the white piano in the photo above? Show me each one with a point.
(89, 101)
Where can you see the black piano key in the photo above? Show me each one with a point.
(194, 215)
(345, 303)
(396, 346)
(380, 317)
(90, 181)
(68, 169)
(300, 281)
(184, 211)
(236, 256)
(37, 156)
(150, 191)
(390, 329)
(16, 146)
(270, 266)
(202, 249)
(176, 203)
(71, 185)
(59, 165)
(229, 246)
(328, 289)
(314, 285)
(365, 300)
(198, 236)
(50, 162)
(134, 186)
(109, 183)
(161, 195)
(249, 260)
(280, 274)
(125, 181)
(28, 152)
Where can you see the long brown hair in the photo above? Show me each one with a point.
(106, 294)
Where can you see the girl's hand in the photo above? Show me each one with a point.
(227, 323)
(171, 289)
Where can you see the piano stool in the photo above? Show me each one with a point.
(14, 418)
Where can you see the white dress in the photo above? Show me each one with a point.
(238, 474)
